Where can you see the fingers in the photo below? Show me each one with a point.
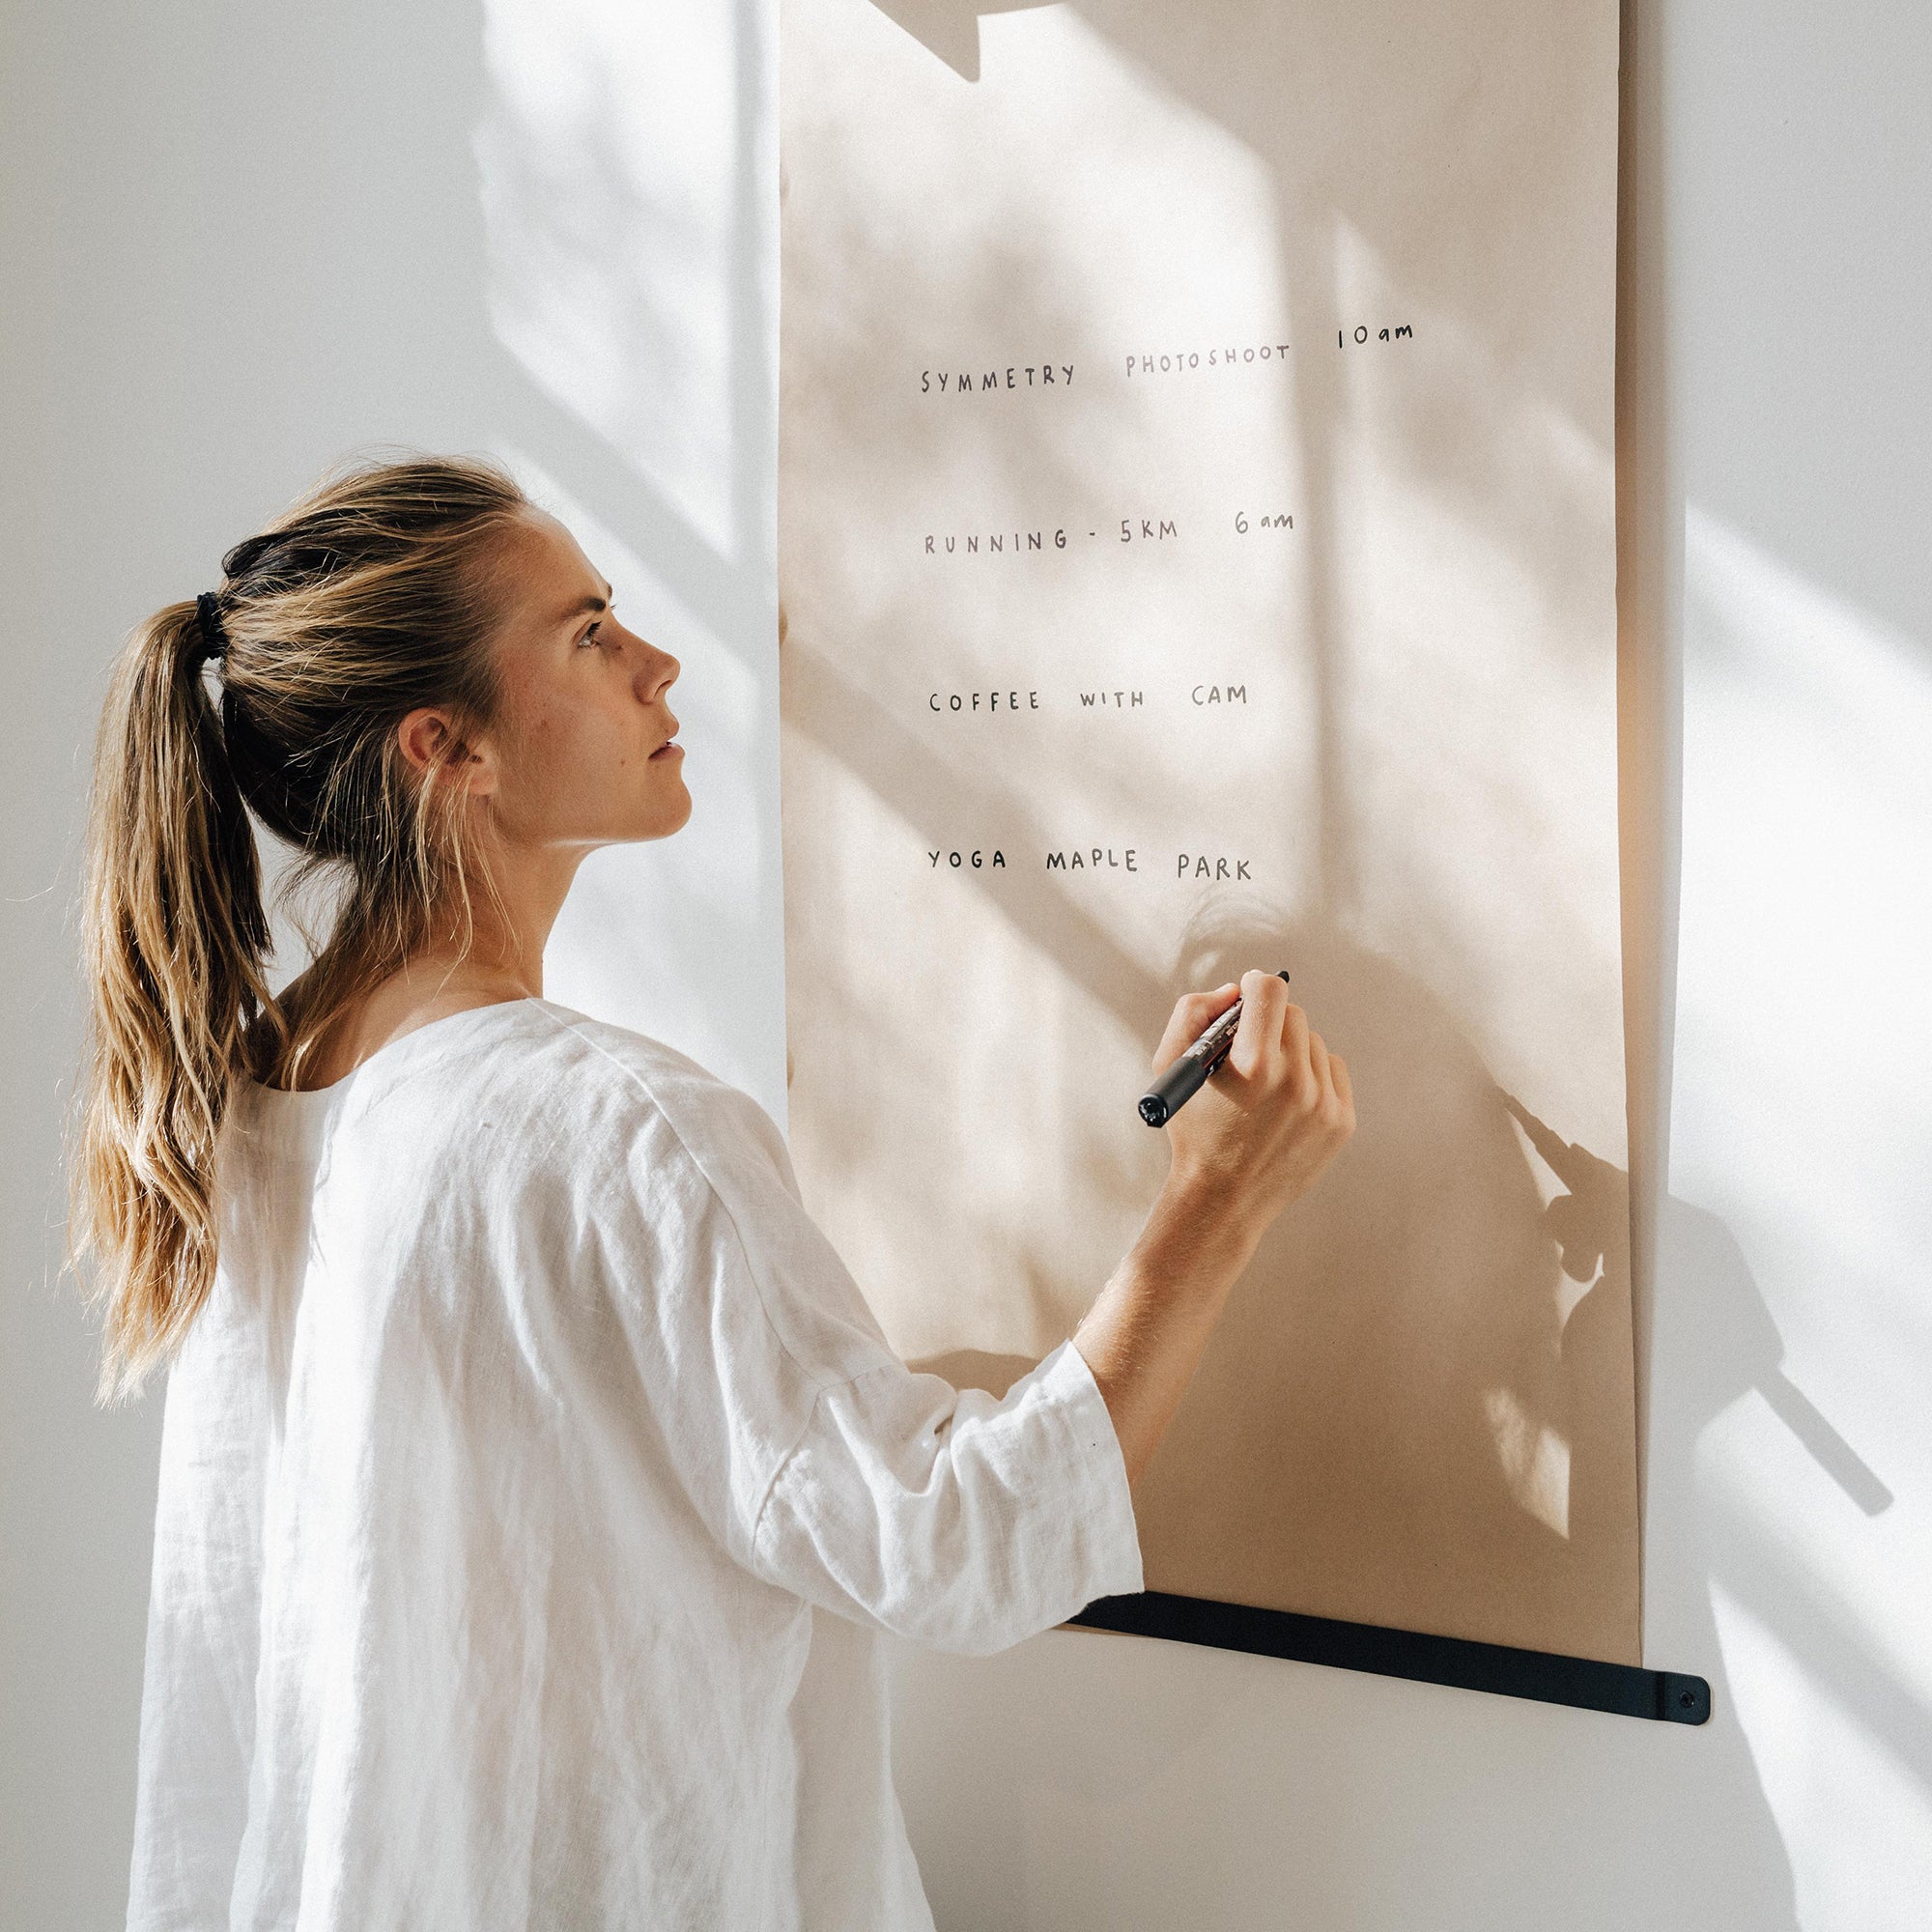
(1318, 1065)
(1273, 1044)
(1257, 1048)
(1344, 1092)
(1298, 1042)
(1193, 1013)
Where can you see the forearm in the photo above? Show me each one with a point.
(1145, 1335)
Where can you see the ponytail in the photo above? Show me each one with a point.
(175, 942)
(378, 592)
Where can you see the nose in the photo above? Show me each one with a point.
(656, 673)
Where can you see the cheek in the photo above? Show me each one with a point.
(539, 750)
(571, 760)
(576, 762)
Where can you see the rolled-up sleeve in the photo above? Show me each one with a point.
(950, 1517)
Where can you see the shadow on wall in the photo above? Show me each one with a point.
(1724, 1348)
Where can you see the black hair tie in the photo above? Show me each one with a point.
(208, 612)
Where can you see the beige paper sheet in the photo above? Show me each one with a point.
(1196, 545)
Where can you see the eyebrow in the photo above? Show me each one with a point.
(584, 603)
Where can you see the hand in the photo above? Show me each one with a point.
(1275, 1113)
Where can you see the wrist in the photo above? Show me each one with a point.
(1204, 1215)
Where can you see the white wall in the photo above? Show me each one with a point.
(238, 241)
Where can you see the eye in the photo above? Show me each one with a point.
(590, 636)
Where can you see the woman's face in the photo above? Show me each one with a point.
(582, 752)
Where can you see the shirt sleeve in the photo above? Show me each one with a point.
(947, 1516)
(824, 1463)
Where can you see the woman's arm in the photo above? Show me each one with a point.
(829, 1468)
(1250, 1142)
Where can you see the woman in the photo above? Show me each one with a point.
(535, 1479)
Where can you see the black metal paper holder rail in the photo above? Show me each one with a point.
(1584, 1683)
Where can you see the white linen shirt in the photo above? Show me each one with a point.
(534, 1484)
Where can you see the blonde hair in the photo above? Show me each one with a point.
(375, 595)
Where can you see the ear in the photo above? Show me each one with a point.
(429, 740)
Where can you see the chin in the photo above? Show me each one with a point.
(672, 816)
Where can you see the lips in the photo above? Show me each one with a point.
(668, 746)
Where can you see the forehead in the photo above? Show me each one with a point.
(545, 570)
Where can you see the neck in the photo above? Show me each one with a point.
(502, 960)
(508, 929)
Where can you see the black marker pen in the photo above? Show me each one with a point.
(1185, 1076)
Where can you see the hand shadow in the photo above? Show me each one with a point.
(1419, 1407)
